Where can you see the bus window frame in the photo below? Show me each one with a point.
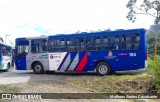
(79, 47)
(36, 46)
(140, 38)
(111, 42)
(94, 42)
(54, 44)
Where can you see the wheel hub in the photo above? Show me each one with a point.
(103, 69)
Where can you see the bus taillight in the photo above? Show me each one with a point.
(146, 55)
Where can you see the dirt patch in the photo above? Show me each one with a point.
(140, 83)
(37, 87)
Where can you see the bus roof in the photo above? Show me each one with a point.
(82, 34)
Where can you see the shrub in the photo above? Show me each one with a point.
(154, 70)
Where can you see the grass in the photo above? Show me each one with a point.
(138, 83)
(9, 89)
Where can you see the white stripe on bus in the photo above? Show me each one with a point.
(66, 63)
(74, 63)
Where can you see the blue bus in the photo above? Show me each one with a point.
(5, 57)
(103, 52)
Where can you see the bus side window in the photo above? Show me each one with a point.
(97, 43)
(136, 41)
(88, 43)
(81, 44)
(75, 44)
(33, 46)
(51, 45)
(111, 42)
(126, 44)
(93, 43)
(78, 44)
(33, 49)
(69, 43)
(115, 42)
(130, 41)
(59, 45)
(39, 46)
(106, 42)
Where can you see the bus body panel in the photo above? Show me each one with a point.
(68, 61)
(40, 57)
(56, 59)
(20, 63)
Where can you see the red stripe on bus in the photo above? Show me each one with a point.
(82, 63)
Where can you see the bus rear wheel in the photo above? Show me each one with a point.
(103, 68)
(38, 68)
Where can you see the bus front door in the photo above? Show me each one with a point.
(21, 53)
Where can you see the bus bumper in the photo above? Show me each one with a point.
(146, 63)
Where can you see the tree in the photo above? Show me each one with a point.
(148, 7)
(153, 35)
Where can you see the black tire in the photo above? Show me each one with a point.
(113, 72)
(38, 68)
(103, 68)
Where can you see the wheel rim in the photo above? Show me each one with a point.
(103, 69)
(38, 68)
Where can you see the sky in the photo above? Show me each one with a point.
(29, 18)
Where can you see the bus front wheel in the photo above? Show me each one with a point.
(38, 68)
(103, 68)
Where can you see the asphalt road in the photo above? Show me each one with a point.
(17, 76)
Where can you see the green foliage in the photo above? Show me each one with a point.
(153, 37)
(154, 70)
(149, 7)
